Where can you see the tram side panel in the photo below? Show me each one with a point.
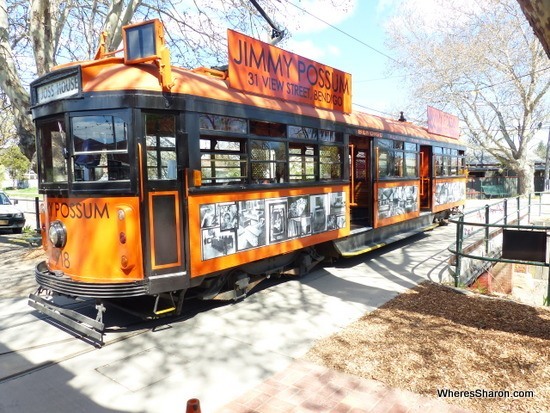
(230, 230)
(448, 194)
(395, 202)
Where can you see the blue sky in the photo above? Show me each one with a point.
(374, 88)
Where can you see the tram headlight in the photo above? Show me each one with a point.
(57, 234)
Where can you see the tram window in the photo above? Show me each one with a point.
(461, 163)
(441, 167)
(298, 132)
(223, 161)
(301, 162)
(323, 135)
(331, 158)
(270, 129)
(267, 161)
(222, 123)
(397, 164)
(454, 166)
(383, 163)
(100, 147)
(411, 161)
(397, 159)
(361, 165)
(448, 161)
(384, 143)
(160, 137)
(52, 144)
(330, 136)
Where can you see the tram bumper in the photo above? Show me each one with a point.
(88, 327)
(56, 285)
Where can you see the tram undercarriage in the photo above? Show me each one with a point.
(233, 285)
(59, 297)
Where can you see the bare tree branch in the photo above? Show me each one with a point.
(481, 60)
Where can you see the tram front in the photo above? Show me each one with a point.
(112, 209)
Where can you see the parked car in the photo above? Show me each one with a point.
(11, 217)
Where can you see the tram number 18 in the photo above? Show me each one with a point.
(62, 258)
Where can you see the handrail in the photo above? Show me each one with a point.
(352, 175)
(509, 218)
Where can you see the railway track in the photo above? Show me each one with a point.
(59, 344)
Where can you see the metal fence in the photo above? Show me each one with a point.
(508, 231)
(29, 207)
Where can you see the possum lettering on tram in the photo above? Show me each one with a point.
(78, 210)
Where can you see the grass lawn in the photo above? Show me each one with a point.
(22, 193)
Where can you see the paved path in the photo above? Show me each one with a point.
(222, 355)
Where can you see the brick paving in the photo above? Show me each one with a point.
(304, 387)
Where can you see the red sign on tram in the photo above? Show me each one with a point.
(261, 68)
(442, 123)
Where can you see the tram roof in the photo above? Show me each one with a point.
(111, 74)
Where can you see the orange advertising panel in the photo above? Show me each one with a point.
(261, 68)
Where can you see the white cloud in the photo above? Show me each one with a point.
(306, 48)
(311, 50)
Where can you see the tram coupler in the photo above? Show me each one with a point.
(89, 328)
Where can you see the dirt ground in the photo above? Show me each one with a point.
(434, 337)
(430, 338)
(18, 259)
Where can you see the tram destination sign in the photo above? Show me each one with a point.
(57, 88)
(261, 68)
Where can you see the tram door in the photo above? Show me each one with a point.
(425, 177)
(361, 187)
(161, 193)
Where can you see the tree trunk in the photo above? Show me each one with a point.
(42, 29)
(11, 84)
(526, 176)
(547, 165)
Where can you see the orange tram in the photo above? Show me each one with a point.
(166, 183)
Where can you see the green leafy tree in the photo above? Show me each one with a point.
(15, 163)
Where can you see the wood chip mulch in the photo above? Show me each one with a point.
(435, 337)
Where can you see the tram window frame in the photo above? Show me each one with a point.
(320, 141)
(211, 122)
(272, 169)
(160, 142)
(329, 168)
(293, 151)
(448, 162)
(225, 131)
(220, 158)
(302, 162)
(52, 173)
(92, 160)
(396, 159)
